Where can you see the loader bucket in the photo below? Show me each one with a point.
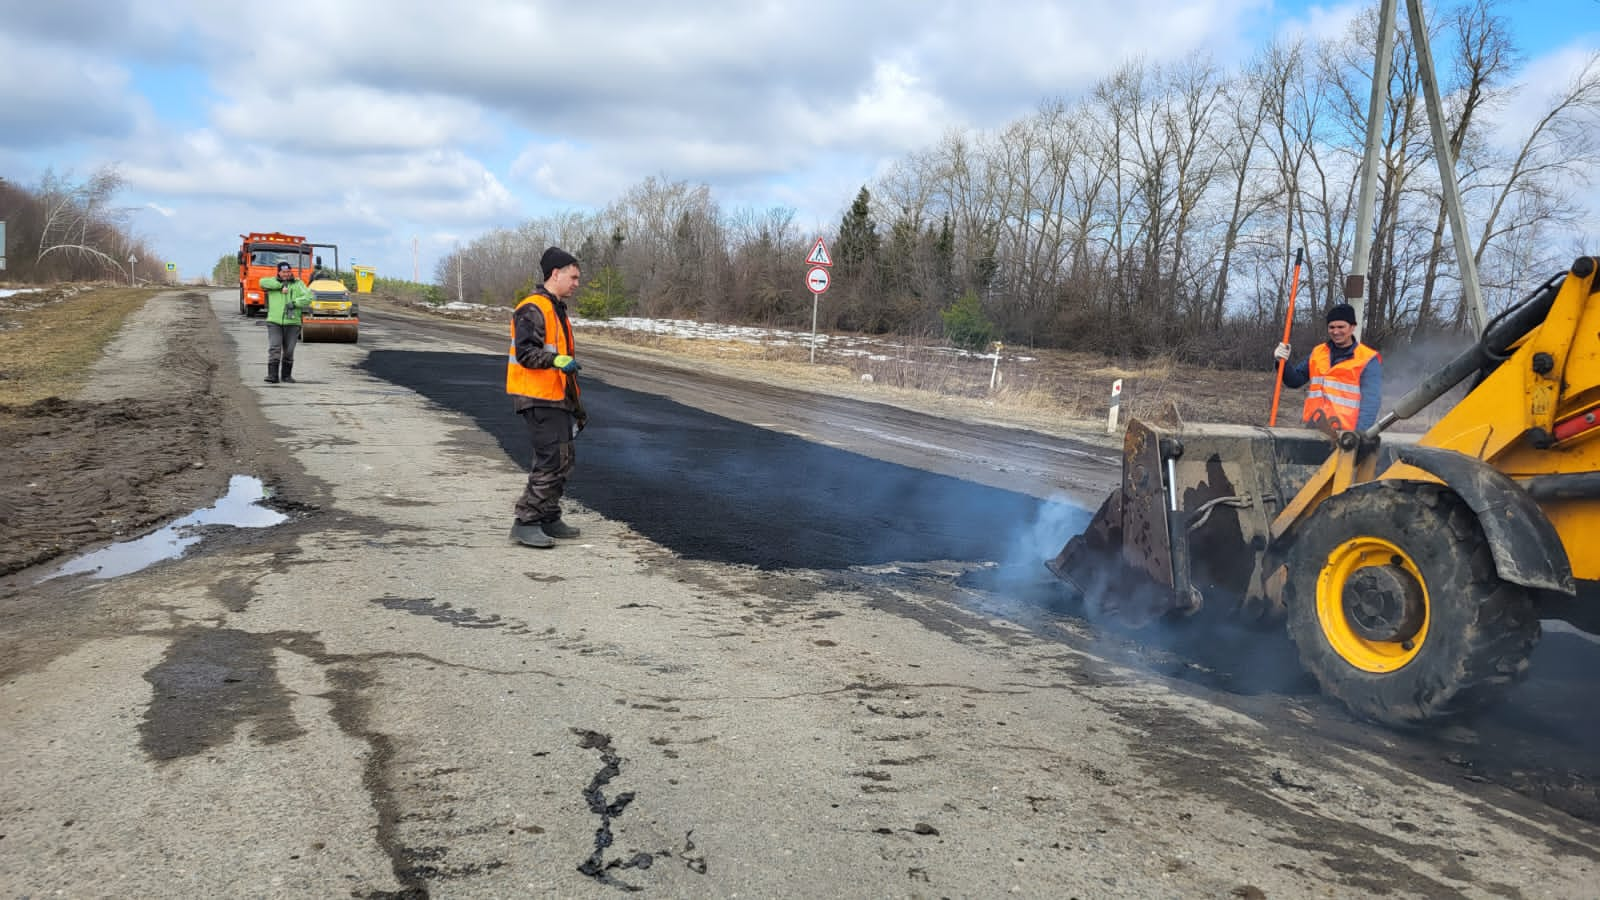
(329, 331)
(1189, 528)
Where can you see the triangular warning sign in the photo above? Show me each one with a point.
(819, 255)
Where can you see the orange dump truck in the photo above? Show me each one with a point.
(259, 255)
(332, 316)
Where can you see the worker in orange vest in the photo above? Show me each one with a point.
(541, 377)
(1345, 376)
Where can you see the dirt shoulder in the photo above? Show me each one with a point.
(152, 433)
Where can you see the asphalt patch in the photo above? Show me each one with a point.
(210, 682)
(715, 489)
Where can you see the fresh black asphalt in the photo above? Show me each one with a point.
(712, 488)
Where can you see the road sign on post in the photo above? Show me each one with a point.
(817, 281)
(2, 245)
(131, 260)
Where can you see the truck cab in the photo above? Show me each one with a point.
(259, 255)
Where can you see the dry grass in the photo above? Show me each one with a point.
(50, 339)
(1051, 391)
(928, 378)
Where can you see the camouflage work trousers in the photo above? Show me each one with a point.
(550, 433)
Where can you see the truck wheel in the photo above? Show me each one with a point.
(1396, 609)
(243, 310)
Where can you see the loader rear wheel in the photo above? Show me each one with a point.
(1396, 609)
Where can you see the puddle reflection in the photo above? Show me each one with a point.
(239, 508)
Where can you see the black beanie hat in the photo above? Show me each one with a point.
(553, 259)
(1344, 312)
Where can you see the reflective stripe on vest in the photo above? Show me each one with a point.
(1334, 392)
(541, 384)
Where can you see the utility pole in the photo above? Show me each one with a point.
(459, 297)
(1471, 293)
(1355, 285)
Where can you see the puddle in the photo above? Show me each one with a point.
(239, 508)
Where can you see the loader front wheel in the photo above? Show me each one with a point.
(1396, 608)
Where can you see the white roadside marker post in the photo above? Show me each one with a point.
(1116, 403)
(994, 373)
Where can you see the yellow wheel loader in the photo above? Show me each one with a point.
(1412, 573)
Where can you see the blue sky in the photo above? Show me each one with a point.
(381, 126)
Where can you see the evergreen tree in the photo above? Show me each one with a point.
(858, 237)
(965, 325)
(604, 295)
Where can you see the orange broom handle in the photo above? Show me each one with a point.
(1288, 326)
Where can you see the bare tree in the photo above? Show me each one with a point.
(78, 220)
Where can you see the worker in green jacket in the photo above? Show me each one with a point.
(286, 298)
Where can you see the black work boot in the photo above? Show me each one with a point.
(559, 529)
(272, 373)
(287, 368)
(530, 535)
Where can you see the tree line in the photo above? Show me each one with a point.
(1158, 212)
(64, 229)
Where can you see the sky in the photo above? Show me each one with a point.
(396, 129)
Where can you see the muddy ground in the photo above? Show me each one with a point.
(154, 439)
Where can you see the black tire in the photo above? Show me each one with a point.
(1396, 609)
(243, 310)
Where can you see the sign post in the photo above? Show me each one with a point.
(994, 373)
(817, 281)
(131, 260)
(1116, 401)
(2, 245)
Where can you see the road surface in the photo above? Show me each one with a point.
(803, 646)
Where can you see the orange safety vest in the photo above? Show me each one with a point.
(542, 384)
(1334, 393)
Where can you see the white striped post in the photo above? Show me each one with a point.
(1116, 404)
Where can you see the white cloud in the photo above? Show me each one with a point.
(435, 186)
(338, 119)
(1542, 84)
(417, 117)
(48, 97)
(1326, 23)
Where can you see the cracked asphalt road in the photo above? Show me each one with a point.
(789, 656)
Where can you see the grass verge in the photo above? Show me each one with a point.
(50, 339)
